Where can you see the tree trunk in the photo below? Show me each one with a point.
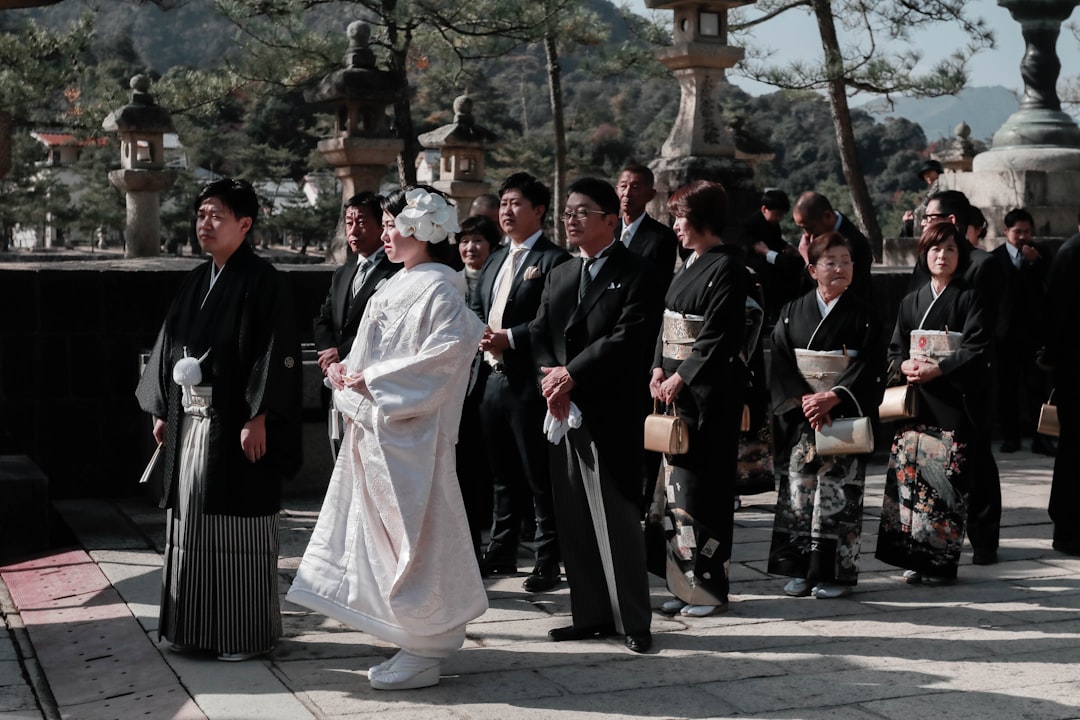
(399, 41)
(845, 134)
(558, 192)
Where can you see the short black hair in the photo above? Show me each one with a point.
(532, 189)
(775, 199)
(599, 191)
(237, 195)
(955, 203)
(938, 233)
(639, 169)
(371, 201)
(813, 205)
(1018, 215)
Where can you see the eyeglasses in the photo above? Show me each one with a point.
(581, 214)
(830, 265)
(928, 216)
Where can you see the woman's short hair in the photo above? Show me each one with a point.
(483, 226)
(237, 195)
(703, 203)
(823, 244)
(937, 233)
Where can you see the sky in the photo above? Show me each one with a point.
(999, 66)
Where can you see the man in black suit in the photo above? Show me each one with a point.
(640, 233)
(1021, 387)
(778, 266)
(596, 326)
(512, 411)
(815, 215)
(1059, 355)
(655, 242)
(350, 288)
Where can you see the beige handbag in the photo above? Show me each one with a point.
(1048, 418)
(666, 433)
(899, 403)
(846, 436)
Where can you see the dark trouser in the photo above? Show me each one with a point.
(473, 467)
(606, 570)
(1021, 389)
(984, 500)
(512, 418)
(1065, 490)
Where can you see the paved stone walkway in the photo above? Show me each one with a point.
(1003, 642)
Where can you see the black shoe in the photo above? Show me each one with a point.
(984, 557)
(1044, 446)
(639, 642)
(543, 577)
(1010, 446)
(496, 561)
(1069, 547)
(580, 633)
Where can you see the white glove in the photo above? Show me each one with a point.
(556, 430)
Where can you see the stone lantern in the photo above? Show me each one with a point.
(1035, 158)
(699, 146)
(461, 145)
(363, 145)
(142, 176)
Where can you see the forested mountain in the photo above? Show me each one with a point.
(984, 109)
(613, 115)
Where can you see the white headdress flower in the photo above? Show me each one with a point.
(427, 217)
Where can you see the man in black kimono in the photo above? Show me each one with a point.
(597, 323)
(350, 288)
(228, 419)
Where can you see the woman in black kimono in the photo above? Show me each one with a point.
(697, 367)
(942, 348)
(826, 364)
(223, 385)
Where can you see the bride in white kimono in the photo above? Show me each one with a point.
(391, 553)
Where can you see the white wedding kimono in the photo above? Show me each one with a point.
(391, 553)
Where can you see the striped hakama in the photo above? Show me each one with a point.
(220, 577)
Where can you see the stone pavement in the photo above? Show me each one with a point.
(1003, 642)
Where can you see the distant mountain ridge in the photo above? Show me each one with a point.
(984, 109)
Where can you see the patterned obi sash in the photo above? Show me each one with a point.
(934, 345)
(680, 332)
(821, 368)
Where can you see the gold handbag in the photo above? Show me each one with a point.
(666, 433)
(1048, 418)
(846, 436)
(899, 403)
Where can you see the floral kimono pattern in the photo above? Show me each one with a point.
(925, 507)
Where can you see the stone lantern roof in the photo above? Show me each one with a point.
(463, 132)
(142, 115)
(359, 81)
(958, 154)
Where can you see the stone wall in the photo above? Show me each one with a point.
(70, 343)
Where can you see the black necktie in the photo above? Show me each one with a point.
(586, 276)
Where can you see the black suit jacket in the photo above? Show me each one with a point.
(655, 242)
(339, 318)
(1025, 290)
(521, 304)
(605, 343)
(861, 255)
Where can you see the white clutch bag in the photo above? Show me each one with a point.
(846, 436)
